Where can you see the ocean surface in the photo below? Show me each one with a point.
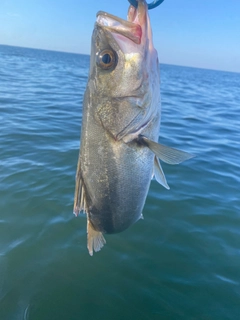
(181, 262)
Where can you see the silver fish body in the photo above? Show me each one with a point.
(120, 125)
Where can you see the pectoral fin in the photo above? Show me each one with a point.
(95, 239)
(164, 153)
(159, 174)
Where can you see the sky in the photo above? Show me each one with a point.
(197, 33)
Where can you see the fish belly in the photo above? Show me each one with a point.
(116, 177)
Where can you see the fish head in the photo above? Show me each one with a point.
(124, 72)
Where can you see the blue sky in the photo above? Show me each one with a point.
(199, 33)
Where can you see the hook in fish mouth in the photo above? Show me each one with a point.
(114, 24)
(151, 5)
(130, 28)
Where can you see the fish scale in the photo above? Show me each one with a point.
(120, 126)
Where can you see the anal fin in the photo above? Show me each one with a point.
(95, 239)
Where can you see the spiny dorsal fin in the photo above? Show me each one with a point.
(95, 239)
(166, 154)
(159, 174)
(79, 196)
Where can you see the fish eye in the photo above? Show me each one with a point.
(106, 59)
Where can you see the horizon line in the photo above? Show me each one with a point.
(87, 54)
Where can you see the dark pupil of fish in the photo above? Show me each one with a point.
(106, 58)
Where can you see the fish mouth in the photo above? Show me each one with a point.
(130, 28)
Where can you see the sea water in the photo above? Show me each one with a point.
(181, 262)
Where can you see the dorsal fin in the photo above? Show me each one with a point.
(79, 196)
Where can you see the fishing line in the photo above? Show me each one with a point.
(151, 5)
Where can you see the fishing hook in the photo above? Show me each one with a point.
(151, 5)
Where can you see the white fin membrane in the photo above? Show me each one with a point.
(95, 239)
(167, 154)
(159, 174)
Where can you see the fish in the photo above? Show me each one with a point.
(119, 149)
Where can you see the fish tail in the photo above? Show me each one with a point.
(95, 239)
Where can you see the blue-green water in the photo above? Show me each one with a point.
(181, 262)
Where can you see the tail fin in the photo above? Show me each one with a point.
(95, 239)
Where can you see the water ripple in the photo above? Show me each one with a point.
(184, 255)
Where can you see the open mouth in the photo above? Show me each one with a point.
(131, 28)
